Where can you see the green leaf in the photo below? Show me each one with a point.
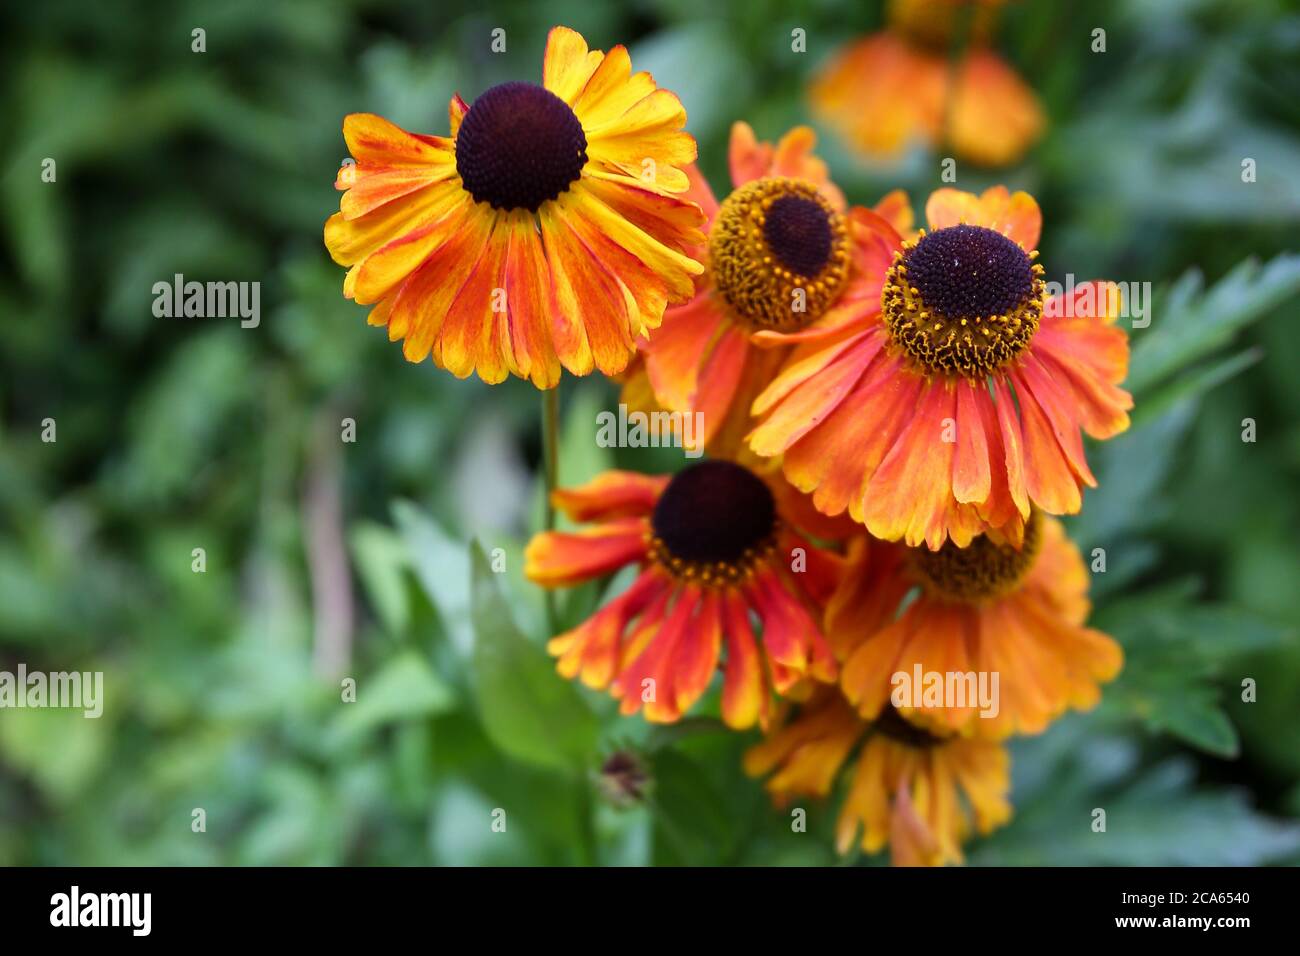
(528, 710)
(692, 825)
(1155, 817)
(1189, 324)
(1193, 714)
(405, 688)
(1130, 470)
(381, 561)
(1193, 385)
(442, 567)
(1176, 656)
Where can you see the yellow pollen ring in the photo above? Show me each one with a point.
(714, 574)
(750, 277)
(984, 570)
(970, 346)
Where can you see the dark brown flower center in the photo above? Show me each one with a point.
(965, 271)
(897, 728)
(519, 146)
(963, 300)
(778, 253)
(983, 570)
(798, 231)
(715, 517)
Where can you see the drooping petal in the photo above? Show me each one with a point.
(592, 650)
(391, 264)
(676, 350)
(995, 115)
(1049, 479)
(744, 690)
(423, 299)
(474, 336)
(611, 494)
(697, 657)
(529, 328)
(909, 494)
(820, 381)
(971, 472)
(350, 241)
(559, 558)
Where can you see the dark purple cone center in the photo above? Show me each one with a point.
(713, 512)
(519, 146)
(968, 271)
(798, 232)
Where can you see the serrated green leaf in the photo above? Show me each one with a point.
(1186, 328)
(528, 711)
(1176, 653)
(1194, 715)
(1157, 818)
(1195, 384)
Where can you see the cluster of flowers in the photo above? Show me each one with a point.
(892, 416)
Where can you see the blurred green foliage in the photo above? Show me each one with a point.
(176, 434)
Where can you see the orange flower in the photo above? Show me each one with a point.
(919, 793)
(782, 253)
(956, 403)
(1011, 619)
(892, 87)
(544, 232)
(715, 556)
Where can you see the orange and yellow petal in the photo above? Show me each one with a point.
(745, 688)
(995, 116)
(665, 672)
(592, 651)
(675, 352)
(558, 559)
(952, 788)
(611, 494)
(1032, 638)
(791, 638)
(514, 292)
(805, 755)
(881, 93)
(1015, 215)
(1086, 354)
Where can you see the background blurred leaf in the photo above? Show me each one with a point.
(443, 569)
(405, 687)
(1189, 323)
(527, 709)
(1149, 812)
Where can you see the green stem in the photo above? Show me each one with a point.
(551, 466)
(588, 849)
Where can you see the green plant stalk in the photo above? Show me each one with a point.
(550, 468)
